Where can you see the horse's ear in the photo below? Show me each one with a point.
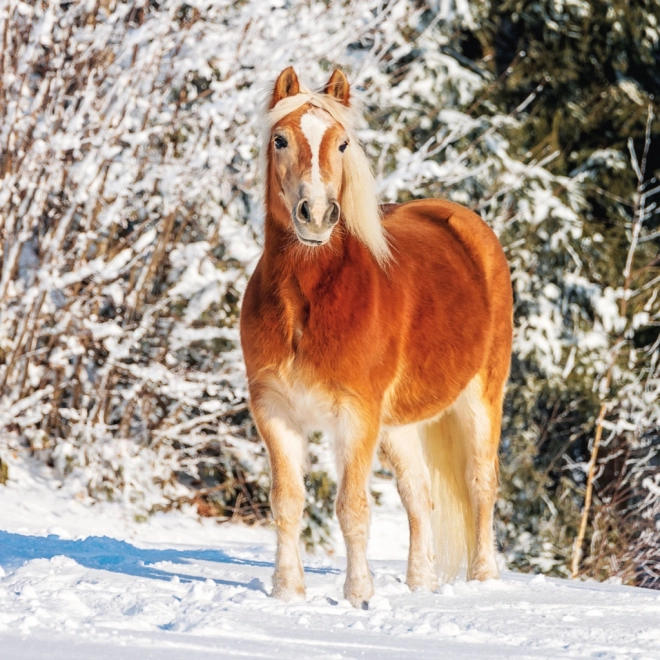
(287, 85)
(339, 87)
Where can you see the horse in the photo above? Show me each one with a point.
(388, 328)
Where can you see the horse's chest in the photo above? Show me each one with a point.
(314, 408)
(311, 376)
(315, 338)
(323, 358)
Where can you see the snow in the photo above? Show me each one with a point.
(80, 581)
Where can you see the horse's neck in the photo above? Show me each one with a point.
(293, 268)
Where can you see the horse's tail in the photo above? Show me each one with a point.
(451, 518)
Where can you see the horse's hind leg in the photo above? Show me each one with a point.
(403, 449)
(480, 420)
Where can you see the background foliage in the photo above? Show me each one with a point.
(130, 217)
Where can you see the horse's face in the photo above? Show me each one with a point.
(306, 151)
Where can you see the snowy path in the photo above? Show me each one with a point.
(178, 588)
(99, 593)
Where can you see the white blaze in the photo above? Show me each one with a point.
(314, 128)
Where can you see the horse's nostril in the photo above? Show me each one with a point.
(332, 214)
(304, 211)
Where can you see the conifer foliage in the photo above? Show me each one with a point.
(130, 206)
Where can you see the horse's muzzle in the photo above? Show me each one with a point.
(314, 224)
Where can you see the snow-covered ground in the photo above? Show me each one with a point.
(86, 582)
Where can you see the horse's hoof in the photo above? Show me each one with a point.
(422, 583)
(359, 595)
(288, 595)
(358, 602)
(288, 591)
(484, 570)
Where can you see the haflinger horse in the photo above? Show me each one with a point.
(386, 327)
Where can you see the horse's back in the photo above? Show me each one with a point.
(450, 220)
(441, 229)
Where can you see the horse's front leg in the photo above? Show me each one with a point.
(287, 450)
(355, 450)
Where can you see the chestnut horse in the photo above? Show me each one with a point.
(385, 327)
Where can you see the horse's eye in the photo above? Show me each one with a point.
(343, 145)
(280, 142)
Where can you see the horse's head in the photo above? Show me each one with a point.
(306, 151)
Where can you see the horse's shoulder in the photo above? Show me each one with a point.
(260, 302)
(253, 288)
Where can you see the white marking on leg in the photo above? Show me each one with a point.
(353, 510)
(287, 448)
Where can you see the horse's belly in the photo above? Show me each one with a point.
(415, 397)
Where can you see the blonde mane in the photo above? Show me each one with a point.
(359, 203)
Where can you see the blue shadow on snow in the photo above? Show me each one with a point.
(107, 554)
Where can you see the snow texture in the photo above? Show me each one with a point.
(77, 583)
